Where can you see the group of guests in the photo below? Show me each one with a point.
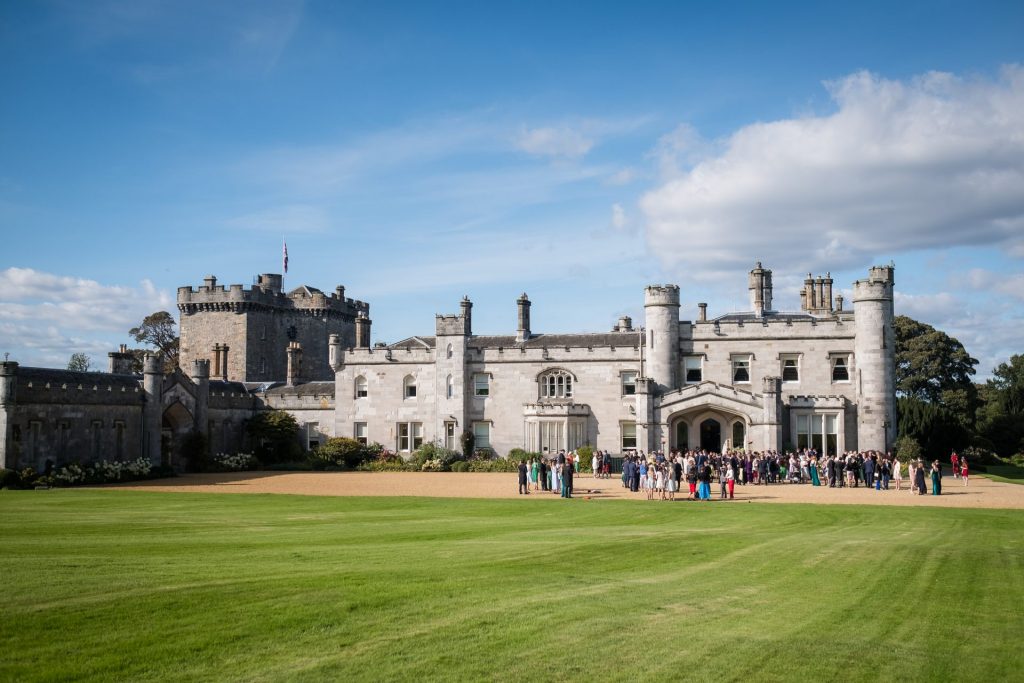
(660, 476)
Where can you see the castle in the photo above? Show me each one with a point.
(760, 379)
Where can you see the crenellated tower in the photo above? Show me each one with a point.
(257, 325)
(661, 308)
(875, 353)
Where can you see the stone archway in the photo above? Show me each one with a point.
(176, 424)
(711, 435)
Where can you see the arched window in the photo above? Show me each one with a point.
(409, 387)
(361, 387)
(739, 435)
(448, 353)
(450, 387)
(555, 384)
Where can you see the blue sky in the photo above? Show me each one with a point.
(416, 152)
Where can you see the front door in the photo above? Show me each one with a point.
(711, 435)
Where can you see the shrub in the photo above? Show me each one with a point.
(237, 462)
(907, 448)
(460, 466)
(432, 451)
(468, 441)
(276, 433)
(9, 479)
(585, 455)
(518, 454)
(102, 472)
(340, 452)
(485, 464)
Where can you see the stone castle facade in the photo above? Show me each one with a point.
(759, 379)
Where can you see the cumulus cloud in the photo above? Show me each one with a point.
(47, 317)
(988, 281)
(932, 162)
(563, 142)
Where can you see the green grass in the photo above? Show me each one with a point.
(1008, 474)
(117, 585)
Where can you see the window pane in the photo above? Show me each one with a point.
(741, 370)
(628, 383)
(482, 435)
(839, 371)
(480, 385)
(790, 371)
(629, 435)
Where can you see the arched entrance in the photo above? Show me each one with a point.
(711, 435)
(176, 424)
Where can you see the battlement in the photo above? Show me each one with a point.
(266, 294)
(450, 325)
(661, 295)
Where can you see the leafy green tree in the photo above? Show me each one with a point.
(276, 435)
(933, 367)
(1001, 413)
(341, 451)
(158, 330)
(932, 426)
(79, 362)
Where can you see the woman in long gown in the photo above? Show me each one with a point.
(936, 478)
(919, 478)
(813, 467)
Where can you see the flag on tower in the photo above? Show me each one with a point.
(285, 257)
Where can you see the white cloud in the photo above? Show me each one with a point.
(619, 220)
(47, 317)
(562, 142)
(934, 162)
(623, 176)
(1002, 283)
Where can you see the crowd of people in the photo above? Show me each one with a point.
(661, 476)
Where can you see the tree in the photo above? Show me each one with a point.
(1001, 413)
(933, 367)
(276, 435)
(157, 330)
(79, 362)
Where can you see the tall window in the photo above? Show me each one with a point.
(449, 435)
(482, 434)
(410, 436)
(448, 351)
(481, 384)
(556, 384)
(409, 387)
(313, 434)
(741, 369)
(359, 432)
(817, 431)
(790, 368)
(628, 383)
(692, 371)
(361, 387)
(739, 435)
(628, 440)
(840, 369)
(449, 387)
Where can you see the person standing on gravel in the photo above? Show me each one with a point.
(524, 487)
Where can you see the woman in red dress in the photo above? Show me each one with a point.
(963, 470)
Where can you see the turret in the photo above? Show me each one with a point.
(874, 351)
(152, 384)
(270, 282)
(661, 308)
(522, 318)
(201, 378)
(334, 352)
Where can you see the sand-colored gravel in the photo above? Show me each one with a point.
(981, 493)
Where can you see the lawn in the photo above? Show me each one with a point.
(117, 585)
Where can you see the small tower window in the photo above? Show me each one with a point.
(450, 387)
(409, 384)
(361, 387)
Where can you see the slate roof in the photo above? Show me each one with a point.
(71, 377)
(307, 389)
(538, 341)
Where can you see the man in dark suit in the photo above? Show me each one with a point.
(567, 480)
(524, 487)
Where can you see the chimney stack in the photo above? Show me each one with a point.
(467, 314)
(702, 316)
(523, 328)
(362, 331)
(294, 352)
